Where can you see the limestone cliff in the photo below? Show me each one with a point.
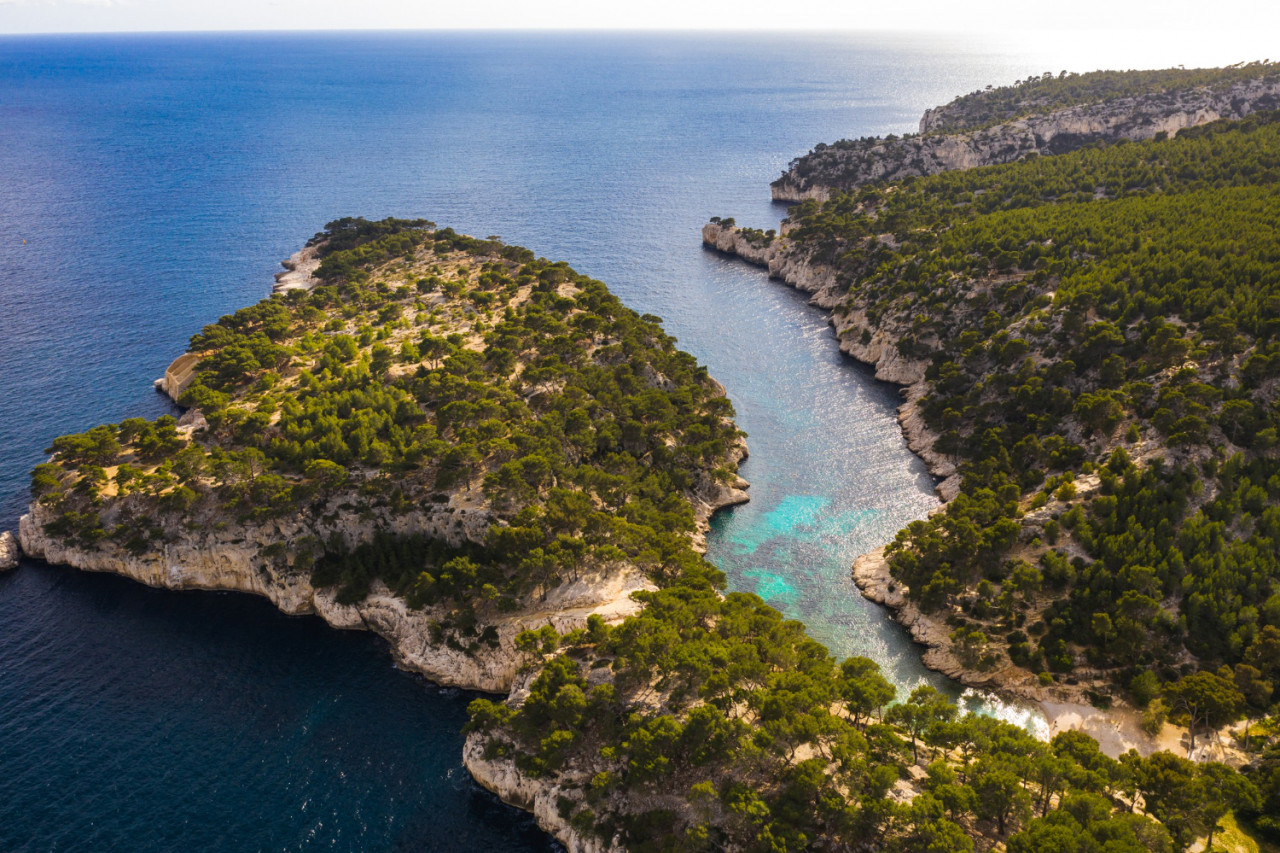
(849, 164)
(214, 555)
(538, 796)
(9, 552)
(232, 559)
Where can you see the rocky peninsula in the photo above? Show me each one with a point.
(214, 501)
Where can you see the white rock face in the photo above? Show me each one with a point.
(533, 795)
(871, 574)
(231, 560)
(850, 165)
(878, 350)
(178, 375)
(299, 271)
(9, 552)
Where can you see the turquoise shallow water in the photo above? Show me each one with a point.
(152, 183)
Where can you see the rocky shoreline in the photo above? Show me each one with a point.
(9, 551)
(299, 274)
(231, 560)
(871, 574)
(1064, 706)
(299, 271)
(790, 190)
(871, 571)
(879, 350)
(537, 796)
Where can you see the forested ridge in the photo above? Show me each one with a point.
(1109, 315)
(1099, 334)
(1049, 92)
(1095, 329)
(1043, 115)
(428, 372)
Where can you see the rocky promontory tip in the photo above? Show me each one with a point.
(9, 551)
(299, 274)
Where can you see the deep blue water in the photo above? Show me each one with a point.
(149, 184)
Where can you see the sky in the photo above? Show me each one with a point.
(1080, 34)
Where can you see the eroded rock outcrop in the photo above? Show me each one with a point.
(179, 375)
(9, 552)
(231, 558)
(535, 795)
(299, 271)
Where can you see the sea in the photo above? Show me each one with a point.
(152, 183)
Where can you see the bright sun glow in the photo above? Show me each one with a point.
(1085, 33)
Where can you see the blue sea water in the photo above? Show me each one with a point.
(149, 184)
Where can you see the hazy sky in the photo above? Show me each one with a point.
(1142, 31)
